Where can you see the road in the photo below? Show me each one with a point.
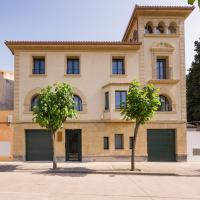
(42, 186)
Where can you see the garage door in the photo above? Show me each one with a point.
(38, 145)
(161, 145)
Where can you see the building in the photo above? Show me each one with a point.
(151, 51)
(6, 90)
(6, 107)
(6, 136)
(193, 145)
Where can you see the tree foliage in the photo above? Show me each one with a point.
(193, 87)
(55, 105)
(141, 104)
(191, 2)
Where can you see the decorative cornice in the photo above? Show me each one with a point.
(164, 81)
(71, 45)
(116, 84)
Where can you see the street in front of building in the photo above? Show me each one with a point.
(41, 186)
(99, 181)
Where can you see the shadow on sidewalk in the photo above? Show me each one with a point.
(69, 171)
(8, 168)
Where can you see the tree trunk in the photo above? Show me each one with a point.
(133, 146)
(54, 153)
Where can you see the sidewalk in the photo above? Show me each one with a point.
(143, 168)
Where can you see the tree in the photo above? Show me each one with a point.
(141, 104)
(191, 2)
(55, 105)
(193, 85)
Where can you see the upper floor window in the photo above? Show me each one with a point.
(120, 99)
(73, 66)
(164, 104)
(34, 102)
(149, 28)
(106, 100)
(38, 65)
(78, 103)
(118, 66)
(161, 69)
(172, 28)
(160, 28)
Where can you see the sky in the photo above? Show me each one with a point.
(96, 20)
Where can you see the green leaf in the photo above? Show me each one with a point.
(191, 2)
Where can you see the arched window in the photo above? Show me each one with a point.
(34, 102)
(160, 28)
(148, 28)
(172, 28)
(78, 103)
(164, 104)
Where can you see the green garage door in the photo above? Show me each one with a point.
(38, 145)
(161, 145)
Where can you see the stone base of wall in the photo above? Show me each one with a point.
(113, 158)
(181, 158)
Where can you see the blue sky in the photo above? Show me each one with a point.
(77, 20)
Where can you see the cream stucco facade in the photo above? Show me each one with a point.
(139, 51)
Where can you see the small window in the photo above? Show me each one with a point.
(160, 28)
(38, 65)
(119, 141)
(149, 28)
(34, 102)
(78, 103)
(118, 66)
(164, 104)
(73, 66)
(172, 28)
(106, 142)
(161, 69)
(106, 100)
(120, 99)
(130, 142)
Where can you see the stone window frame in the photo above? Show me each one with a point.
(65, 65)
(171, 99)
(34, 92)
(118, 56)
(162, 50)
(32, 65)
(167, 22)
(28, 99)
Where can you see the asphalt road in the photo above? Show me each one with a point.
(43, 186)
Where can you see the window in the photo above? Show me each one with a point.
(118, 66)
(38, 66)
(161, 69)
(172, 28)
(78, 103)
(130, 142)
(73, 66)
(149, 28)
(106, 142)
(106, 100)
(34, 102)
(120, 99)
(119, 141)
(160, 28)
(164, 104)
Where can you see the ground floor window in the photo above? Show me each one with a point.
(119, 141)
(106, 142)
